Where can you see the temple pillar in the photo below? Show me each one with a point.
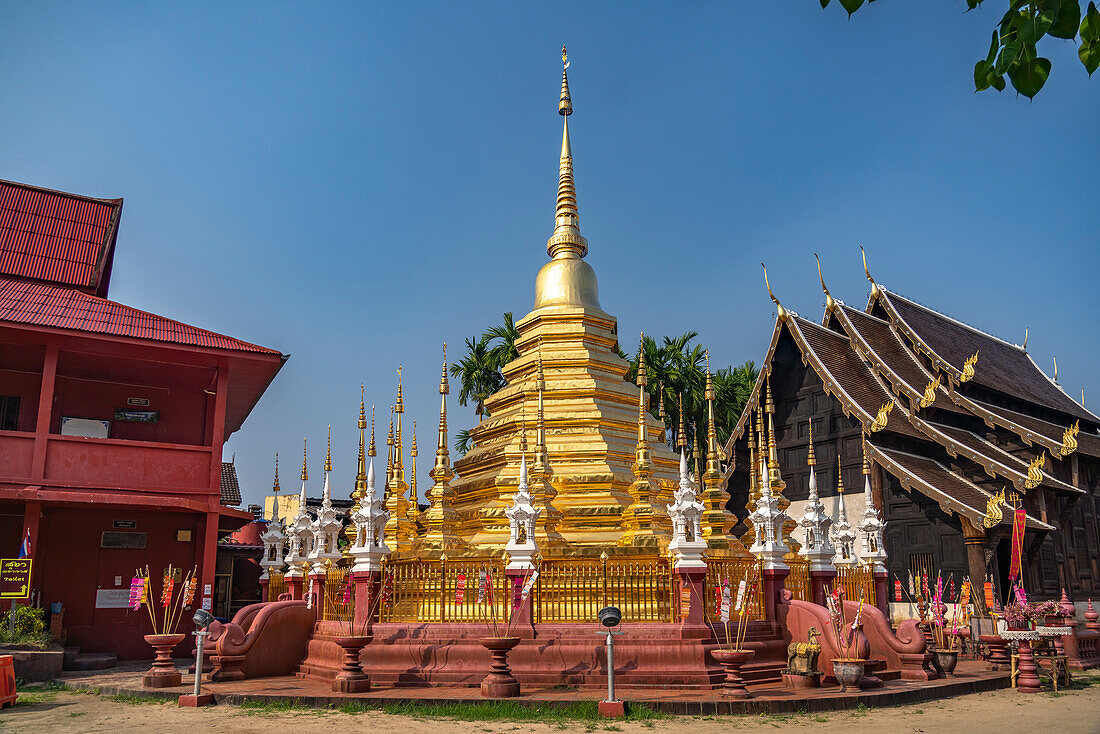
(882, 590)
(367, 587)
(819, 581)
(317, 589)
(692, 579)
(974, 541)
(772, 582)
(522, 620)
(294, 586)
(263, 588)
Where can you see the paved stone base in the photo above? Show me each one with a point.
(971, 677)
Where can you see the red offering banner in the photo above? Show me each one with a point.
(460, 589)
(1019, 520)
(988, 594)
(897, 589)
(685, 602)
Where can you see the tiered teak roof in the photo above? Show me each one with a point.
(953, 427)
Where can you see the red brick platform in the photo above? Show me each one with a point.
(972, 677)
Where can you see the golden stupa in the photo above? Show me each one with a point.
(593, 473)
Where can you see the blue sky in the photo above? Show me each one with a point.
(355, 183)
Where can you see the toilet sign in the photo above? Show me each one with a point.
(15, 578)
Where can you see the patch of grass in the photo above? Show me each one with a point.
(49, 685)
(77, 713)
(132, 699)
(353, 707)
(33, 698)
(821, 719)
(860, 710)
(261, 708)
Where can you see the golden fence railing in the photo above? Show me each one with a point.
(798, 580)
(858, 582)
(424, 590)
(336, 579)
(276, 585)
(733, 569)
(575, 589)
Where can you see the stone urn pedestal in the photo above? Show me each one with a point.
(163, 674)
(351, 678)
(1028, 680)
(500, 683)
(848, 673)
(731, 661)
(998, 651)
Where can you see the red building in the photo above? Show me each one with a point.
(112, 420)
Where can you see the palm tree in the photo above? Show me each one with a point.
(464, 442)
(503, 339)
(477, 374)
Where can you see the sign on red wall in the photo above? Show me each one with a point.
(15, 578)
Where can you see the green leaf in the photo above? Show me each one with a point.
(981, 75)
(851, 5)
(1069, 17)
(971, 4)
(993, 46)
(999, 83)
(1028, 77)
(1031, 29)
(1089, 53)
(824, 3)
(1090, 26)
(1010, 53)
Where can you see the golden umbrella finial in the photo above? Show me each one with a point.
(444, 385)
(275, 487)
(305, 472)
(371, 451)
(642, 379)
(362, 407)
(681, 440)
(810, 459)
(565, 103)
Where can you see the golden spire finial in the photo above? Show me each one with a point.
(681, 439)
(661, 407)
(566, 240)
(642, 451)
(328, 450)
(829, 302)
(362, 407)
(782, 312)
(713, 472)
(399, 406)
(275, 486)
(866, 458)
(642, 380)
(444, 386)
(810, 459)
(371, 452)
(874, 285)
(414, 454)
(305, 472)
(839, 476)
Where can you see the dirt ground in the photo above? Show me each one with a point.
(1073, 712)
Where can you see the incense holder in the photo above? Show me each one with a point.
(163, 674)
(500, 683)
(351, 678)
(944, 661)
(731, 662)
(848, 673)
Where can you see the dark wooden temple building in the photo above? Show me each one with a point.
(954, 417)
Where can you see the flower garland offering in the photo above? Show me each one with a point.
(141, 594)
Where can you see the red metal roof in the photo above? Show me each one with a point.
(57, 237)
(26, 302)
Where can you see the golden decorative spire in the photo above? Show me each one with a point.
(642, 381)
(866, 459)
(540, 467)
(829, 302)
(714, 469)
(874, 286)
(567, 237)
(781, 312)
(773, 457)
(810, 460)
(399, 530)
(275, 486)
(439, 519)
(328, 450)
(414, 497)
(642, 526)
(748, 537)
(360, 490)
(661, 408)
(371, 452)
(442, 455)
(681, 439)
(389, 452)
(398, 409)
(839, 476)
(305, 472)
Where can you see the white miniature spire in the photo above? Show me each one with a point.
(370, 521)
(843, 536)
(522, 516)
(686, 513)
(326, 528)
(816, 546)
(871, 526)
